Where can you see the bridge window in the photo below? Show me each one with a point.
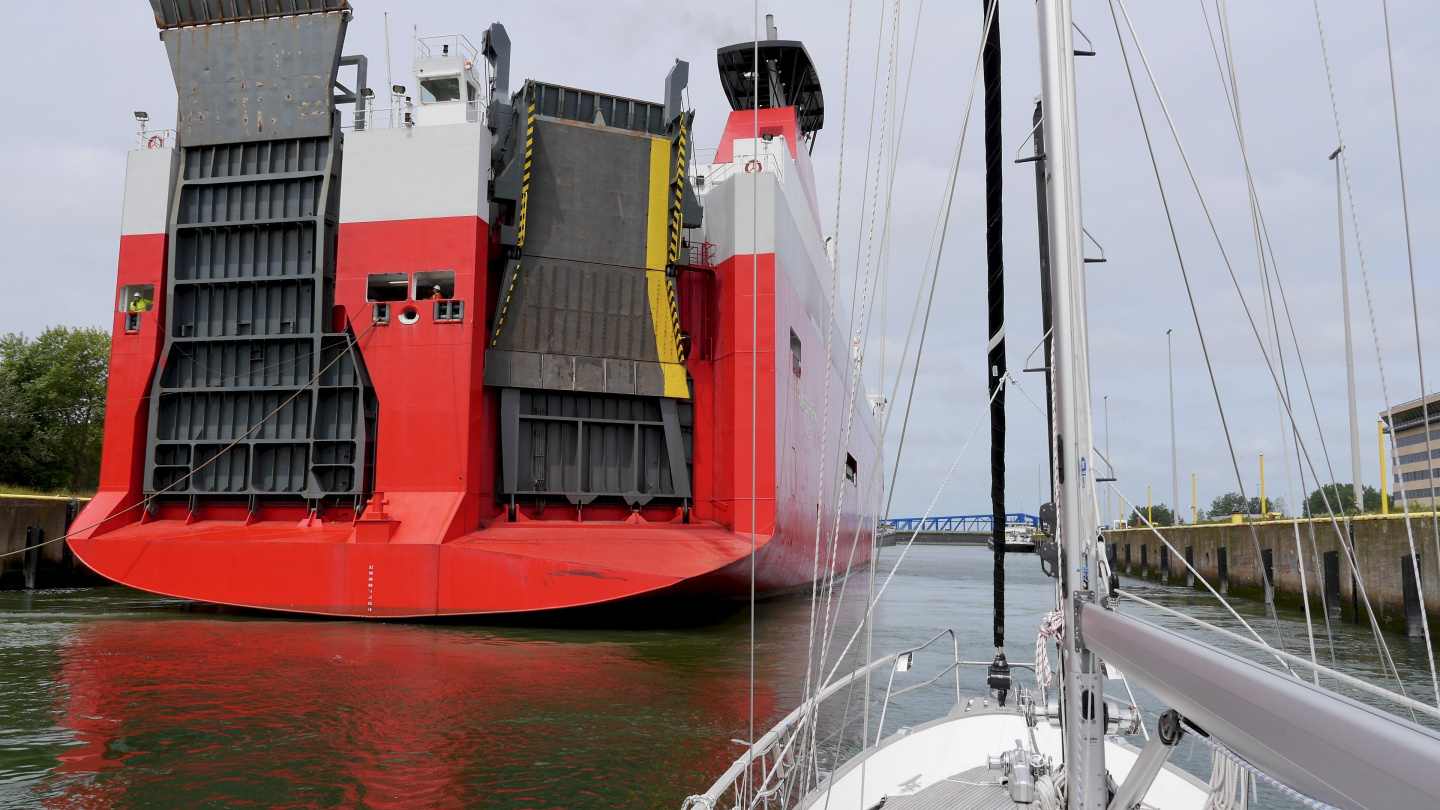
(387, 287)
(852, 470)
(439, 89)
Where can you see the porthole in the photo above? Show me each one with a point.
(409, 315)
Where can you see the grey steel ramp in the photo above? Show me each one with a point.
(588, 306)
(975, 789)
(585, 346)
(257, 396)
(589, 194)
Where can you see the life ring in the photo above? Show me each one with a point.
(155, 142)
(752, 165)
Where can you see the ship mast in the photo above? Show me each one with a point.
(1080, 686)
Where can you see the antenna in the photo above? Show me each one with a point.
(390, 80)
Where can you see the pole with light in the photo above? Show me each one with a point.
(1349, 351)
(1174, 469)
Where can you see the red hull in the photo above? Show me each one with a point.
(438, 542)
(505, 569)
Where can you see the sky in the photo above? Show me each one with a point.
(59, 221)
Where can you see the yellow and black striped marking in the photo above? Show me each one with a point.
(677, 188)
(514, 267)
(525, 177)
(520, 219)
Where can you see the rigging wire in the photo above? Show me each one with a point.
(827, 470)
(1419, 351)
(831, 628)
(1185, 276)
(1250, 318)
(863, 311)
(1274, 265)
(1381, 645)
(754, 356)
(1344, 159)
(1340, 677)
(1232, 95)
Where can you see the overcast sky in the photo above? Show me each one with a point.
(59, 219)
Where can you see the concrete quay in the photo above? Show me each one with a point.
(50, 565)
(1226, 555)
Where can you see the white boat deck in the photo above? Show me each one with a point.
(937, 764)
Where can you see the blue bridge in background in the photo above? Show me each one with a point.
(957, 523)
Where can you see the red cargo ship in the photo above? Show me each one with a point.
(499, 359)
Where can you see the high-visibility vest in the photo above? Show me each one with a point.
(141, 305)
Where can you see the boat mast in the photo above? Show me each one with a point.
(1083, 711)
(999, 673)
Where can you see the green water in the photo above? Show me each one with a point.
(110, 698)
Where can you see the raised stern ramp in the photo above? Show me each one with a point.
(586, 347)
(259, 395)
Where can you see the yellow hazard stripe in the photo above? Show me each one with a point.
(525, 178)
(667, 333)
(659, 210)
(678, 185)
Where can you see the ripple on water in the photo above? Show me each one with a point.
(114, 699)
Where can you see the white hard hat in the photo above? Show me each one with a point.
(135, 295)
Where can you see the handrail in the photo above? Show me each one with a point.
(156, 138)
(747, 164)
(880, 728)
(768, 739)
(796, 719)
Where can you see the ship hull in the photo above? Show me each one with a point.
(511, 568)
(637, 402)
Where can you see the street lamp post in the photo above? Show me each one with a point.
(1349, 351)
(1174, 469)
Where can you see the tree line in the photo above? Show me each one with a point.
(52, 409)
(1341, 498)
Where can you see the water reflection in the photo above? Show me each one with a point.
(112, 699)
(164, 709)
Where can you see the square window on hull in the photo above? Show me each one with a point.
(794, 353)
(852, 470)
(387, 287)
(137, 297)
(435, 285)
